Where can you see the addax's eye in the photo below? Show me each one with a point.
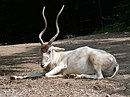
(49, 52)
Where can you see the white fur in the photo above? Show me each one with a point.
(85, 62)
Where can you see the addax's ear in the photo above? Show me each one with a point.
(58, 49)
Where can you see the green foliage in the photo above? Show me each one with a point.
(121, 17)
(116, 27)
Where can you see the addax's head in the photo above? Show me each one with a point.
(48, 54)
(47, 49)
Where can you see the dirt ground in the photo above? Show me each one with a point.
(23, 59)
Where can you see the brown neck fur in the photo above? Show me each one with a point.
(45, 47)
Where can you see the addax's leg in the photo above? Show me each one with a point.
(55, 71)
(98, 75)
(86, 76)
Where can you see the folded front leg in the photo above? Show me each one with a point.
(55, 71)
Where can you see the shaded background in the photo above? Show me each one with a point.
(21, 20)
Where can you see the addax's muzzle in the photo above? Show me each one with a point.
(46, 68)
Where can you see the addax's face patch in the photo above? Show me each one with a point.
(44, 48)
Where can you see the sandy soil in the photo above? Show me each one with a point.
(23, 59)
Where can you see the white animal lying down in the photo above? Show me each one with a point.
(85, 62)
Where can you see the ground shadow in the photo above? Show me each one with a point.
(10, 64)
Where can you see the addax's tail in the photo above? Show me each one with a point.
(115, 70)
